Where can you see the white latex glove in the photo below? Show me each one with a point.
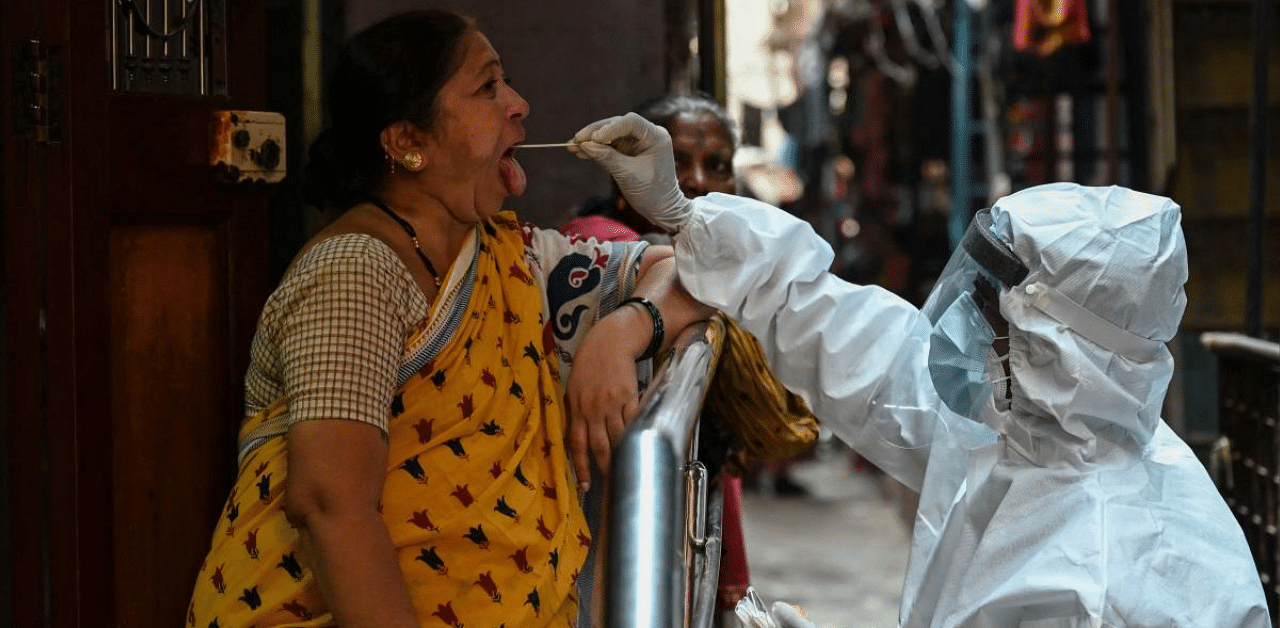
(752, 614)
(637, 153)
(788, 616)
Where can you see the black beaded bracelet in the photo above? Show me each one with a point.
(658, 333)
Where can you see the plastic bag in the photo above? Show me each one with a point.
(753, 613)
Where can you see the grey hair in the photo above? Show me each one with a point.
(661, 111)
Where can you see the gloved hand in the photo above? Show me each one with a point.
(752, 614)
(788, 616)
(645, 171)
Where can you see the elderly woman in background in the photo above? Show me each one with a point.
(403, 458)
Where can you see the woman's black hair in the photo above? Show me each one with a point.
(390, 71)
(663, 109)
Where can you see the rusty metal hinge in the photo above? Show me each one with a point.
(37, 91)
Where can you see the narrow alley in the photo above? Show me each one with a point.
(840, 552)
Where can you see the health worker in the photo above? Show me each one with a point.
(1022, 400)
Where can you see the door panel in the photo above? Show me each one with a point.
(169, 319)
(132, 282)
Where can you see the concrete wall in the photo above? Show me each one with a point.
(575, 61)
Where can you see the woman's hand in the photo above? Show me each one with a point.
(602, 391)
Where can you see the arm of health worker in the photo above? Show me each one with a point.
(857, 354)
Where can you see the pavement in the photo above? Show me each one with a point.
(839, 552)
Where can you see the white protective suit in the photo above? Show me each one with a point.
(1076, 505)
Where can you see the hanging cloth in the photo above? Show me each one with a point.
(1042, 27)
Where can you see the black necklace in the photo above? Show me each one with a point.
(413, 235)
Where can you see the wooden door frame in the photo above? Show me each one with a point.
(46, 565)
(57, 498)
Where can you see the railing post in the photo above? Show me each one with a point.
(663, 534)
(645, 579)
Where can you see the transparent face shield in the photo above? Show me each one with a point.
(964, 311)
(980, 254)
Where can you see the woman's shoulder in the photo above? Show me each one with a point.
(347, 258)
(507, 225)
(353, 236)
(346, 270)
(351, 245)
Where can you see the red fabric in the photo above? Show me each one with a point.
(1027, 143)
(735, 575)
(600, 228)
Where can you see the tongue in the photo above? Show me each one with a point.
(512, 176)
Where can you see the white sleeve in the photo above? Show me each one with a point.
(833, 342)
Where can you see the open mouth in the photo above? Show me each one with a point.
(512, 173)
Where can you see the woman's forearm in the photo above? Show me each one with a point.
(356, 566)
(679, 309)
(602, 390)
(336, 473)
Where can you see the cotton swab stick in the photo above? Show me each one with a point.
(625, 145)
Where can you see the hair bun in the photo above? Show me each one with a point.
(332, 175)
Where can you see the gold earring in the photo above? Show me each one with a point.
(412, 161)
(391, 163)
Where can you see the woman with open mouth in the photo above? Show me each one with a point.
(404, 458)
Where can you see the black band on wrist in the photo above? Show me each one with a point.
(655, 344)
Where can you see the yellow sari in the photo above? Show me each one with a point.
(479, 497)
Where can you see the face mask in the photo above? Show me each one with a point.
(959, 348)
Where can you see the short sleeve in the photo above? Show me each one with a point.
(583, 279)
(338, 323)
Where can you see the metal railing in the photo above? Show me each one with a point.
(663, 554)
(1245, 461)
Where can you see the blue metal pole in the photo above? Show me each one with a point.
(961, 125)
